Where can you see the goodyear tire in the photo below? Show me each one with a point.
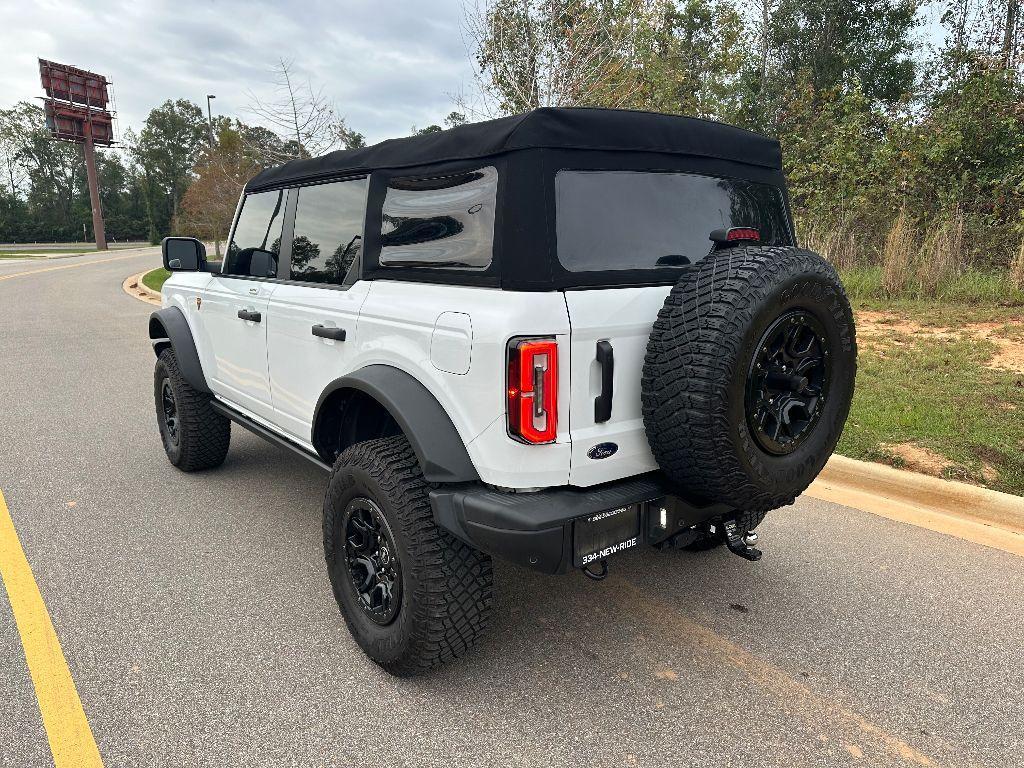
(749, 375)
(413, 596)
(194, 435)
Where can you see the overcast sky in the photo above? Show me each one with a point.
(387, 64)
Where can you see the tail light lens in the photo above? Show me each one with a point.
(533, 390)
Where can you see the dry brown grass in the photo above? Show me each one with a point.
(898, 256)
(837, 244)
(942, 256)
(1017, 269)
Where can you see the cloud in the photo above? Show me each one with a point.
(386, 65)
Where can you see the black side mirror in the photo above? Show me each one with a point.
(183, 254)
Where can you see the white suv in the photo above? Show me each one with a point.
(550, 337)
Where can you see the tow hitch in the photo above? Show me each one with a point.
(740, 545)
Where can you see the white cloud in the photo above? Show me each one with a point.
(387, 65)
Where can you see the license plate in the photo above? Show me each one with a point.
(606, 533)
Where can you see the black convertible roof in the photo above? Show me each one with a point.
(545, 128)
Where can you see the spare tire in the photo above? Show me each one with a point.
(749, 374)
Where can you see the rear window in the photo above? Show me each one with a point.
(618, 220)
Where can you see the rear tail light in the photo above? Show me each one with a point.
(532, 390)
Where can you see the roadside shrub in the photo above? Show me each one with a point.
(1017, 269)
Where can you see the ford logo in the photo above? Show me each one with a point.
(602, 450)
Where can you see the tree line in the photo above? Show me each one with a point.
(904, 149)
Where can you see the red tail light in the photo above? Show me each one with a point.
(533, 390)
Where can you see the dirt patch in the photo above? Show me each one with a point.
(878, 329)
(919, 458)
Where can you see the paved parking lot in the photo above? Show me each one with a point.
(197, 622)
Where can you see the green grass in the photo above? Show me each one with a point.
(156, 278)
(937, 394)
(974, 286)
(47, 252)
(9, 255)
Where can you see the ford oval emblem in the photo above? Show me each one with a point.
(602, 450)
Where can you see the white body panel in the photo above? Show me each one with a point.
(624, 317)
(302, 365)
(235, 362)
(453, 339)
(397, 327)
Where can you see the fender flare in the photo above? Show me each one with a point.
(428, 427)
(169, 326)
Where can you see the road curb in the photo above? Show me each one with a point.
(135, 288)
(975, 514)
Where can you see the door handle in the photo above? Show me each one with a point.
(324, 332)
(603, 402)
(245, 314)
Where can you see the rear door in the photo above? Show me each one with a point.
(313, 328)
(622, 221)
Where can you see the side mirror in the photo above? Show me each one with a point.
(183, 254)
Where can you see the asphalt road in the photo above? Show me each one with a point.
(197, 621)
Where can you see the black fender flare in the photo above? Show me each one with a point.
(169, 326)
(428, 427)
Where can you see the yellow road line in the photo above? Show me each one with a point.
(71, 740)
(69, 266)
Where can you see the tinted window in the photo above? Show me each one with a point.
(256, 242)
(440, 222)
(328, 235)
(610, 220)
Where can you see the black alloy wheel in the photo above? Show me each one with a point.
(787, 382)
(371, 559)
(169, 411)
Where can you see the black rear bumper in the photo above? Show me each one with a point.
(536, 529)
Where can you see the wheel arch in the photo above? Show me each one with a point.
(169, 328)
(414, 410)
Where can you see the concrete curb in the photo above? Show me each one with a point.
(135, 288)
(978, 515)
(945, 496)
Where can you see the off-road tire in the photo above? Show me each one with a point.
(203, 434)
(446, 585)
(696, 373)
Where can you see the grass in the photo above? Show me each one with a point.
(9, 255)
(155, 278)
(938, 394)
(974, 286)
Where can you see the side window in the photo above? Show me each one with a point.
(256, 242)
(445, 221)
(328, 231)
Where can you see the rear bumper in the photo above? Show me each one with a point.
(536, 529)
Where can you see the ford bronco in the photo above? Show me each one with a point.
(551, 338)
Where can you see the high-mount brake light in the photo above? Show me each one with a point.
(532, 390)
(736, 235)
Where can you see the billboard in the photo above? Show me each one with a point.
(78, 86)
(71, 123)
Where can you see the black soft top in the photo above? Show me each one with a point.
(545, 128)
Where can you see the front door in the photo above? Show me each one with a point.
(235, 306)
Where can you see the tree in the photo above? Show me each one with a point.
(219, 176)
(534, 53)
(306, 122)
(166, 149)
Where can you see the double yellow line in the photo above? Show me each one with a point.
(71, 740)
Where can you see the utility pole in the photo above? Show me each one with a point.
(209, 116)
(94, 189)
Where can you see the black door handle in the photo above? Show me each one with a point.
(324, 332)
(603, 402)
(245, 314)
